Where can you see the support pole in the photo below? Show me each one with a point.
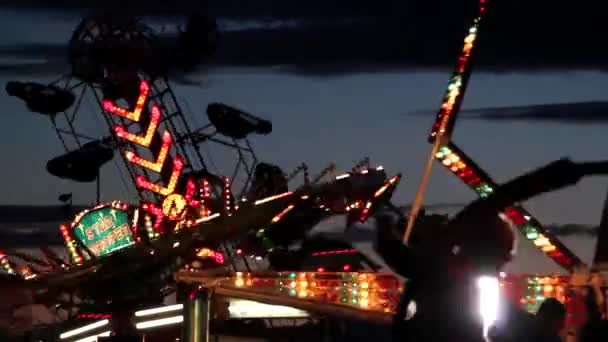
(411, 219)
(197, 309)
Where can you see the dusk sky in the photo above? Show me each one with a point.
(385, 115)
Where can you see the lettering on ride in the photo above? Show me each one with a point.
(110, 239)
(174, 204)
(104, 230)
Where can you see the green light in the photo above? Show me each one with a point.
(445, 150)
(354, 300)
(531, 232)
(292, 275)
(344, 299)
(292, 292)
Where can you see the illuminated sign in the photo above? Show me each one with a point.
(104, 230)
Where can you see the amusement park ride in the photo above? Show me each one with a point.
(193, 228)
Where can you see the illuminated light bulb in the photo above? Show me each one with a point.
(364, 294)
(364, 303)
(447, 162)
(292, 284)
(445, 150)
(364, 285)
(541, 240)
(239, 282)
(302, 293)
(548, 248)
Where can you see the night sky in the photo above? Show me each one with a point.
(324, 111)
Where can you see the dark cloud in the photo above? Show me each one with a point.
(233, 8)
(572, 229)
(568, 113)
(385, 35)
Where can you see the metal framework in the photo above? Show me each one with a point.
(188, 141)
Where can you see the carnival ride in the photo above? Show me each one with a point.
(186, 212)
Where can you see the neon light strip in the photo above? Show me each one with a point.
(272, 198)
(280, 215)
(162, 309)
(159, 322)
(94, 338)
(384, 187)
(240, 308)
(84, 329)
(340, 251)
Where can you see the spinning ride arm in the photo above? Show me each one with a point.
(460, 164)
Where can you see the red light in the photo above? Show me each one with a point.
(340, 251)
(239, 251)
(346, 267)
(320, 269)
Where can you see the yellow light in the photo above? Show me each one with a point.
(364, 303)
(174, 205)
(239, 282)
(364, 285)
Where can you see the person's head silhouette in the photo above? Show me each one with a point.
(551, 315)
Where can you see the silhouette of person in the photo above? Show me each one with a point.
(549, 321)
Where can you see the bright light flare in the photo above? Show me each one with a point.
(489, 299)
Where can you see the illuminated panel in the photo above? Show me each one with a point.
(104, 229)
(454, 94)
(472, 175)
(530, 291)
(368, 291)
